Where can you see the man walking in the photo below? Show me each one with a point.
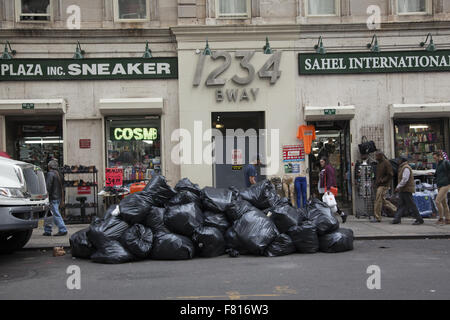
(55, 192)
(250, 172)
(442, 176)
(383, 183)
(406, 188)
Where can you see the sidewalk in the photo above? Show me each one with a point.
(362, 228)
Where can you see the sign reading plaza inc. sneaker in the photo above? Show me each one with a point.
(371, 62)
(89, 69)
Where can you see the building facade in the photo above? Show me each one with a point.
(240, 84)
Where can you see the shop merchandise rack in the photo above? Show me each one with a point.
(69, 182)
(365, 195)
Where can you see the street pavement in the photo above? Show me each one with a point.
(362, 228)
(410, 269)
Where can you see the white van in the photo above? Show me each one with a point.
(23, 203)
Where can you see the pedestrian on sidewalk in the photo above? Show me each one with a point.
(406, 187)
(442, 176)
(383, 184)
(56, 197)
(327, 179)
(251, 172)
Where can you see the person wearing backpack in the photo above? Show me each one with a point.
(56, 197)
(442, 176)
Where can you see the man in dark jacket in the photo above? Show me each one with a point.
(383, 183)
(442, 176)
(406, 187)
(55, 193)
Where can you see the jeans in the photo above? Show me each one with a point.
(300, 188)
(57, 218)
(407, 204)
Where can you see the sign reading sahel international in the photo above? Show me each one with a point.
(374, 62)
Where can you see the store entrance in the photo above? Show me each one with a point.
(237, 152)
(35, 139)
(332, 141)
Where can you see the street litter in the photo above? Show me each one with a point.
(165, 223)
(58, 251)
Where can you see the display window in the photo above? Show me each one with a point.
(416, 140)
(134, 145)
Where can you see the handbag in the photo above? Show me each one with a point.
(366, 147)
(329, 199)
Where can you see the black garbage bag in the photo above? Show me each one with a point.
(262, 195)
(109, 213)
(160, 192)
(255, 231)
(233, 243)
(320, 214)
(183, 219)
(216, 220)
(281, 246)
(338, 241)
(302, 215)
(186, 185)
(304, 237)
(209, 242)
(135, 207)
(80, 245)
(284, 216)
(112, 253)
(102, 231)
(170, 246)
(138, 240)
(237, 209)
(185, 197)
(217, 199)
(155, 220)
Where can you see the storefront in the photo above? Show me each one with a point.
(392, 105)
(92, 112)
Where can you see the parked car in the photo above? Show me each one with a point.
(23, 203)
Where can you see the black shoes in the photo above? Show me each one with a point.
(344, 218)
(47, 234)
(60, 234)
(417, 222)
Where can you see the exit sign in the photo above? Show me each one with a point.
(329, 112)
(28, 106)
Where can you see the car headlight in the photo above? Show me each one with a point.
(12, 193)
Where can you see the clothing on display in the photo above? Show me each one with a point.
(301, 186)
(308, 135)
(288, 188)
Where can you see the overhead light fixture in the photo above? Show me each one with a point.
(7, 55)
(79, 53)
(373, 46)
(207, 51)
(431, 47)
(319, 47)
(219, 126)
(266, 48)
(419, 126)
(148, 52)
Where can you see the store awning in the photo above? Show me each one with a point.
(131, 106)
(329, 113)
(29, 106)
(420, 110)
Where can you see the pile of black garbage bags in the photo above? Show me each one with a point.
(166, 223)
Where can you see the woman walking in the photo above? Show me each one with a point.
(442, 176)
(327, 179)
